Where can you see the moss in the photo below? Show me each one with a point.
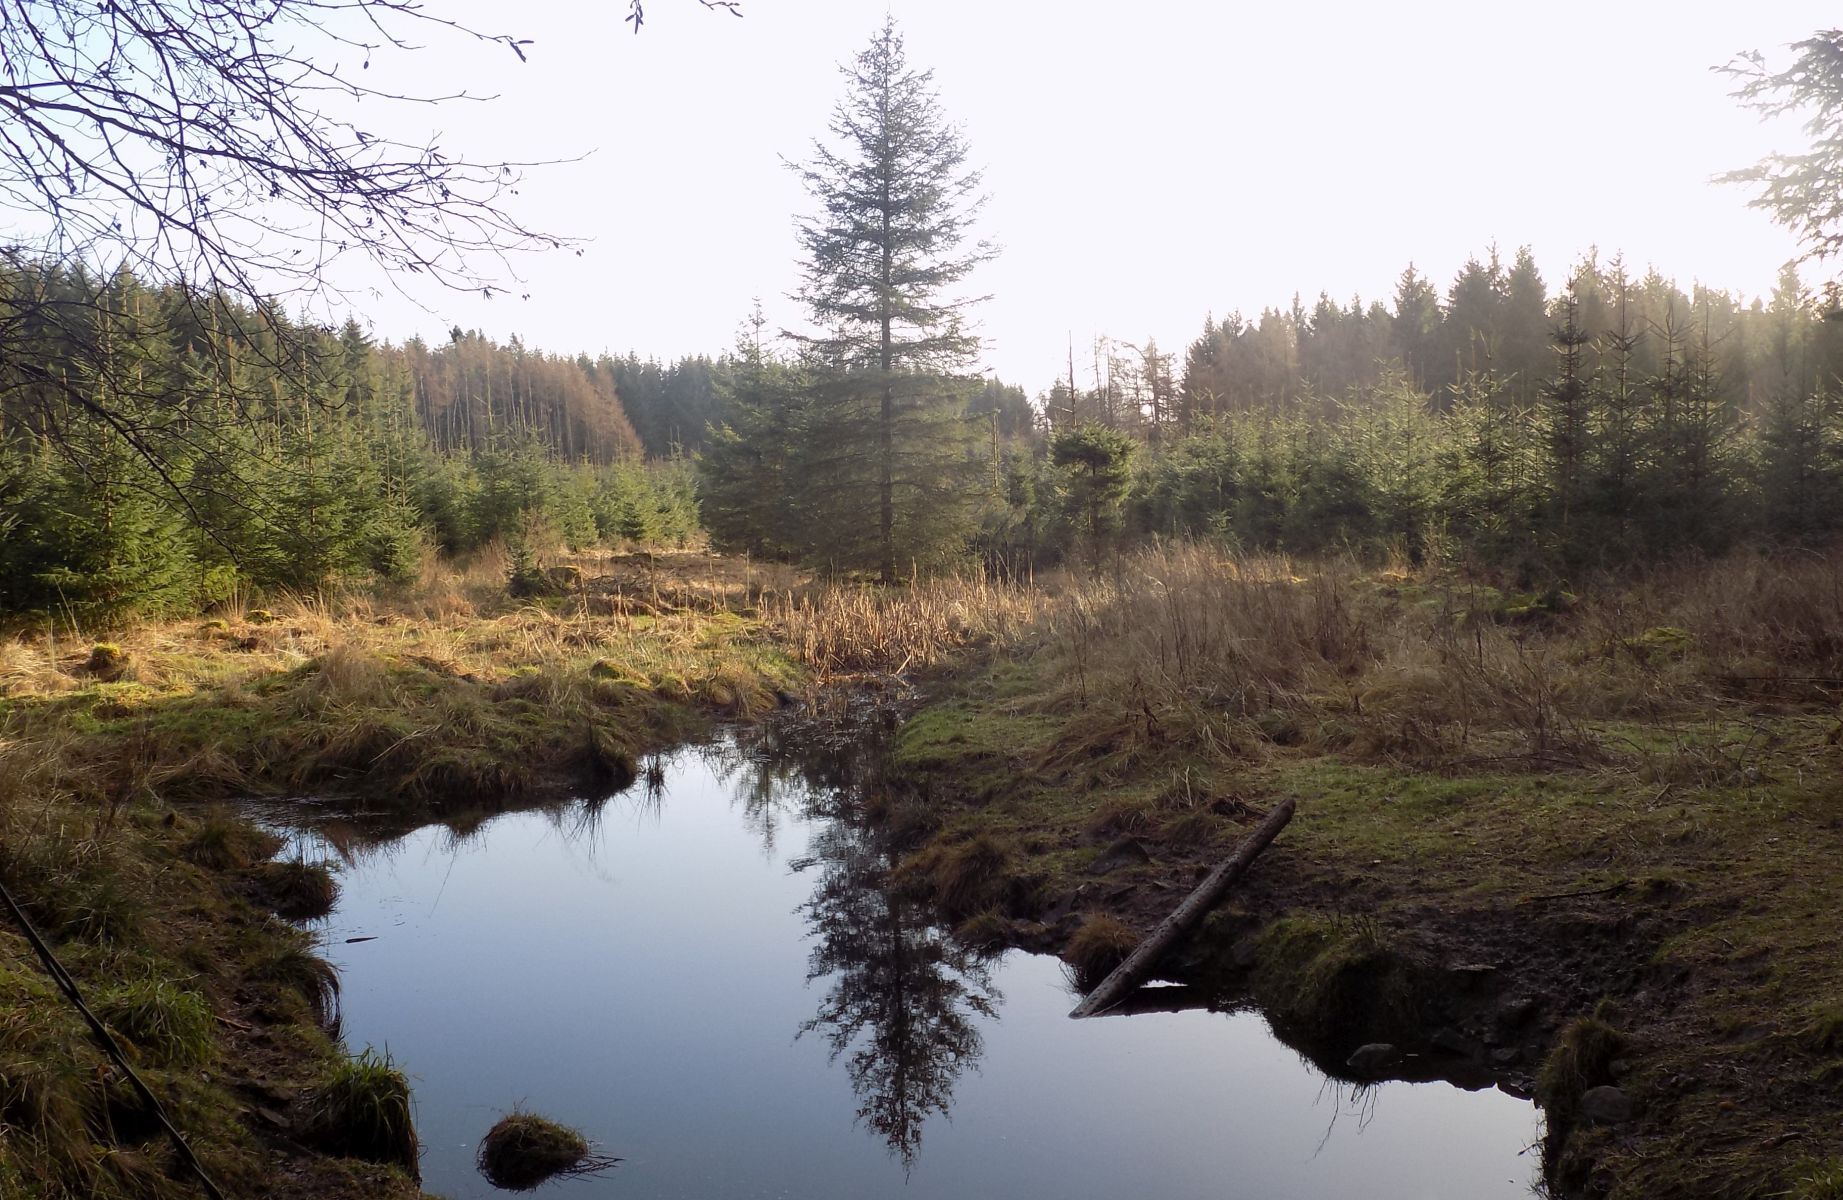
(1663, 643)
(107, 661)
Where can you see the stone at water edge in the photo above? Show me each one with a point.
(1371, 1058)
(1607, 1106)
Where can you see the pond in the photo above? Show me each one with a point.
(709, 975)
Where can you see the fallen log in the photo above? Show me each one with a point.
(1183, 919)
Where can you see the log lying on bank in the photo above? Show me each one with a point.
(1184, 919)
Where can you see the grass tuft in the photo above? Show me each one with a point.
(1581, 1058)
(224, 843)
(1101, 944)
(967, 876)
(523, 1150)
(299, 891)
(171, 1026)
(363, 1112)
(1336, 983)
(301, 974)
(1817, 1181)
(988, 932)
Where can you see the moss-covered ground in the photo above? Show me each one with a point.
(1506, 826)
(118, 763)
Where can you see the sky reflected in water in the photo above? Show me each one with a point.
(643, 974)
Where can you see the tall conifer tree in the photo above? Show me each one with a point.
(890, 241)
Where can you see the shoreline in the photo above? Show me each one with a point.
(1631, 898)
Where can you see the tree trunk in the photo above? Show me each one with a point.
(1185, 918)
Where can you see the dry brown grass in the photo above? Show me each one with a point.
(335, 692)
(850, 629)
(1239, 657)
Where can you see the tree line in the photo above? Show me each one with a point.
(1619, 420)
(161, 447)
(160, 450)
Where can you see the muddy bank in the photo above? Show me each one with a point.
(127, 780)
(1564, 936)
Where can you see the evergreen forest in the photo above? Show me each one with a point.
(161, 451)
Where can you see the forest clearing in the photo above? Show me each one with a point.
(1408, 718)
(1610, 811)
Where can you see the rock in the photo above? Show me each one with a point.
(1512, 1011)
(1452, 1041)
(1607, 1106)
(1505, 1056)
(1127, 852)
(1244, 952)
(1371, 1059)
(1520, 1086)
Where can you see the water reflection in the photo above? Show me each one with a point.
(901, 996)
(618, 932)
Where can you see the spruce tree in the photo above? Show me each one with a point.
(890, 241)
(1567, 402)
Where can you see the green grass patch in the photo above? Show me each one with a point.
(363, 1111)
(171, 1026)
(1334, 984)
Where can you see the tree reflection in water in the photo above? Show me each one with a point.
(902, 997)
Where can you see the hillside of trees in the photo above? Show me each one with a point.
(160, 450)
(1617, 419)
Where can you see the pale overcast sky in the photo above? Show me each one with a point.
(1147, 163)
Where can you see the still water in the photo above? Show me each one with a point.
(710, 978)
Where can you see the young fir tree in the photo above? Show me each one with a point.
(896, 203)
(753, 470)
(1621, 415)
(1097, 467)
(1567, 404)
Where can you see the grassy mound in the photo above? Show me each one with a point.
(170, 1025)
(300, 891)
(524, 1150)
(1101, 944)
(363, 1112)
